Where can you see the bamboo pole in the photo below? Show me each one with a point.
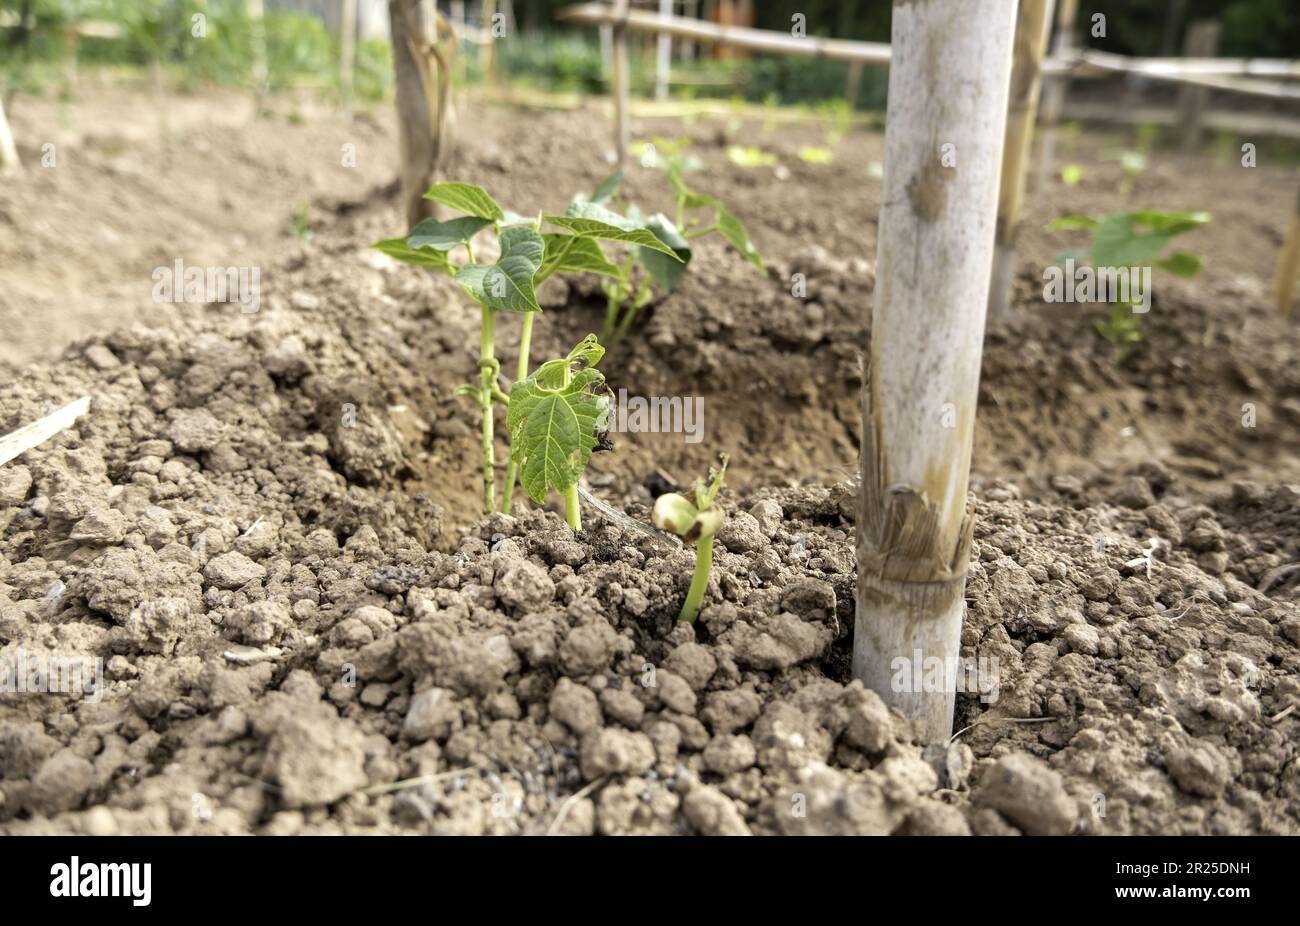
(1288, 265)
(347, 49)
(261, 75)
(622, 132)
(949, 86)
(1032, 23)
(1202, 39)
(489, 47)
(1055, 91)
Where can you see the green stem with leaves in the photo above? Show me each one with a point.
(639, 298)
(512, 467)
(572, 506)
(488, 369)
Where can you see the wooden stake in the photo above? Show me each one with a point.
(38, 432)
(1057, 88)
(257, 30)
(622, 133)
(423, 74)
(663, 54)
(853, 84)
(1288, 265)
(489, 43)
(347, 49)
(1202, 41)
(943, 146)
(9, 161)
(1031, 41)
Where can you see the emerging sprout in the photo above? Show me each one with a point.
(696, 524)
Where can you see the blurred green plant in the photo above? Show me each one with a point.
(1132, 239)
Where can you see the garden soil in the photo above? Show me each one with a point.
(266, 526)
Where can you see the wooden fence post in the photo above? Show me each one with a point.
(1202, 41)
(622, 133)
(947, 114)
(663, 54)
(1288, 265)
(1032, 22)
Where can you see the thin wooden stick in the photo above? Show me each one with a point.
(1202, 39)
(1032, 22)
(38, 432)
(622, 132)
(1288, 265)
(1055, 91)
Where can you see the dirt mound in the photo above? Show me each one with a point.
(267, 530)
(285, 646)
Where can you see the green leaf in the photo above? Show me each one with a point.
(398, 249)
(1182, 264)
(507, 284)
(573, 254)
(1169, 223)
(443, 236)
(592, 220)
(608, 187)
(553, 427)
(514, 218)
(1072, 222)
(466, 197)
(734, 231)
(812, 154)
(1116, 244)
(665, 271)
(749, 156)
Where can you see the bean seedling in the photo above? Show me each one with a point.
(1132, 240)
(624, 296)
(696, 524)
(527, 258)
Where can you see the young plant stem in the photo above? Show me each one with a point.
(487, 383)
(699, 581)
(512, 467)
(629, 316)
(612, 304)
(572, 507)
